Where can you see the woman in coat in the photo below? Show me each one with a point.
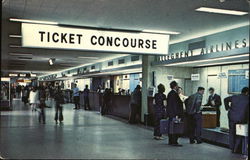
(33, 98)
(159, 106)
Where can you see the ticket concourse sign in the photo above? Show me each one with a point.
(56, 37)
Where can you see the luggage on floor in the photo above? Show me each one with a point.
(176, 127)
(164, 126)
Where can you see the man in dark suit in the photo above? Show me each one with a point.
(174, 109)
(238, 113)
(214, 100)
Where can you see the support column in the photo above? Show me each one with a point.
(146, 82)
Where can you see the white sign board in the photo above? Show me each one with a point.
(247, 74)
(57, 37)
(222, 75)
(13, 75)
(195, 77)
(22, 75)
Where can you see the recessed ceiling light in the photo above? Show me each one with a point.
(32, 21)
(20, 54)
(15, 36)
(160, 31)
(88, 57)
(221, 11)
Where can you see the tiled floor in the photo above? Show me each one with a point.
(86, 134)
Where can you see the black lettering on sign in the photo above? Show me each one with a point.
(79, 38)
(71, 38)
(244, 41)
(63, 37)
(48, 36)
(101, 40)
(229, 46)
(147, 43)
(236, 44)
(133, 42)
(41, 33)
(109, 41)
(125, 42)
(92, 38)
(140, 43)
(53, 37)
(116, 43)
(154, 44)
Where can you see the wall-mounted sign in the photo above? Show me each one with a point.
(32, 75)
(22, 75)
(195, 77)
(222, 75)
(170, 77)
(13, 75)
(49, 36)
(247, 74)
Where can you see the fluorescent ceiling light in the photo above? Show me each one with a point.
(32, 21)
(160, 31)
(20, 54)
(211, 64)
(88, 57)
(221, 11)
(15, 36)
(25, 58)
(14, 46)
(207, 60)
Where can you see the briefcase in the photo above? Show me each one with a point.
(242, 129)
(176, 127)
(164, 126)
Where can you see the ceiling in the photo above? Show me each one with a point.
(172, 15)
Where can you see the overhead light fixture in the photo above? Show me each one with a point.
(15, 36)
(88, 57)
(212, 64)
(25, 58)
(221, 11)
(32, 21)
(160, 31)
(14, 46)
(52, 61)
(207, 60)
(20, 54)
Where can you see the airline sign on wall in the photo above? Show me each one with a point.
(57, 37)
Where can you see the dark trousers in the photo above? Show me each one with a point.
(235, 142)
(105, 107)
(158, 117)
(86, 103)
(59, 113)
(76, 101)
(195, 126)
(134, 111)
(218, 117)
(172, 138)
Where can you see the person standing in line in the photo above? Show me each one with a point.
(182, 96)
(174, 110)
(159, 106)
(238, 113)
(34, 98)
(193, 109)
(42, 98)
(76, 97)
(59, 99)
(86, 97)
(135, 105)
(214, 100)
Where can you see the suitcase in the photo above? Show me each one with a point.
(176, 127)
(164, 126)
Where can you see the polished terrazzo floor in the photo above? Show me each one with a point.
(87, 134)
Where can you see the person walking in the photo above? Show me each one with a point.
(174, 111)
(42, 98)
(214, 100)
(76, 96)
(33, 98)
(193, 110)
(26, 93)
(135, 105)
(86, 98)
(159, 107)
(238, 113)
(59, 99)
(106, 101)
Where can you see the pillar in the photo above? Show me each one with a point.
(146, 82)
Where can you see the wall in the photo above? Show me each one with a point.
(208, 75)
